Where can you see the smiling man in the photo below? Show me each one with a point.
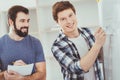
(21, 48)
(76, 49)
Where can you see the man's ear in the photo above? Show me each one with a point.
(10, 22)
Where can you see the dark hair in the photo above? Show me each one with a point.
(60, 6)
(12, 12)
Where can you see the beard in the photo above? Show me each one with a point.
(19, 31)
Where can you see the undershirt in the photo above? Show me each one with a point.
(82, 47)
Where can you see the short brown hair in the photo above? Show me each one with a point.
(60, 6)
(12, 12)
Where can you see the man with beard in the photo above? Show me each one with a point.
(19, 47)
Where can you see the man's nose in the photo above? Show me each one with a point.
(27, 24)
(69, 20)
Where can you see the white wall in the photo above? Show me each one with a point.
(5, 4)
(87, 13)
(3, 23)
(110, 20)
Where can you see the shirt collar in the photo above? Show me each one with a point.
(63, 36)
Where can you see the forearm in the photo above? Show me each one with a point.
(88, 60)
(35, 76)
(1, 75)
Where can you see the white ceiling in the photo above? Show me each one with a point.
(5, 4)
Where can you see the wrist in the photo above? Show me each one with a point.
(97, 46)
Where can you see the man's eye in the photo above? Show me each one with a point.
(70, 15)
(28, 20)
(22, 20)
(62, 19)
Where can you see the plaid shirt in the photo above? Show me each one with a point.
(68, 57)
